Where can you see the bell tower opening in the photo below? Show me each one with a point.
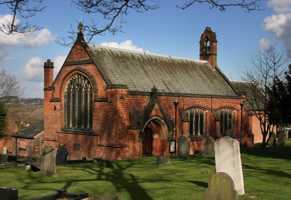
(208, 47)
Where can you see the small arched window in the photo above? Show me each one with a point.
(207, 47)
(226, 122)
(78, 103)
(196, 119)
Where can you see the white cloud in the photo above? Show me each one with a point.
(265, 44)
(58, 62)
(128, 45)
(33, 69)
(280, 23)
(30, 39)
(280, 6)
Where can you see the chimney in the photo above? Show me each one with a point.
(48, 73)
(208, 47)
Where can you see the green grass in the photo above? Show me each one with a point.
(267, 176)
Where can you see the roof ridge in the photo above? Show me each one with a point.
(146, 53)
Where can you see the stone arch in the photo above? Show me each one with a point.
(83, 72)
(155, 137)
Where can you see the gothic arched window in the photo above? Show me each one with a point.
(196, 122)
(78, 103)
(226, 121)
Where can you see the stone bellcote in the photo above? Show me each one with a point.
(208, 47)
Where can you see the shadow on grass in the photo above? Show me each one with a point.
(200, 184)
(268, 171)
(282, 152)
(116, 175)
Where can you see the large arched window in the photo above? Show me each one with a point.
(197, 120)
(78, 103)
(226, 121)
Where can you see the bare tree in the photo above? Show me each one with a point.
(9, 85)
(248, 5)
(266, 66)
(110, 11)
(23, 9)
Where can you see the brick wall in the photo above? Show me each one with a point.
(118, 116)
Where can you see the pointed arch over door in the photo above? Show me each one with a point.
(78, 101)
(155, 137)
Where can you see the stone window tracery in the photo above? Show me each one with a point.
(196, 122)
(78, 99)
(226, 122)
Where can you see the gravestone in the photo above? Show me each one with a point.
(220, 187)
(282, 137)
(228, 160)
(183, 147)
(8, 194)
(208, 146)
(62, 154)
(4, 155)
(48, 163)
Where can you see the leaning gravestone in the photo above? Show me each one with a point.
(62, 154)
(221, 187)
(183, 147)
(48, 163)
(208, 146)
(228, 160)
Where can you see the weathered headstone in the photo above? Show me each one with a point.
(228, 160)
(62, 154)
(183, 147)
(8, 194)
(4, 155)
(48, 163)
(282, 137)
(220, 187)
(208, 146)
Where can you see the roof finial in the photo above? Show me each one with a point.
(80, 36)
(81, 27)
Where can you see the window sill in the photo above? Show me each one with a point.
(196, 137)
(78, 131)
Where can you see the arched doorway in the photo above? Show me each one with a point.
(155, 137)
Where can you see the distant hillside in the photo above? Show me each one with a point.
(16, 100)
(23, 114)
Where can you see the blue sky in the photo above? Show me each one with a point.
(167, 30)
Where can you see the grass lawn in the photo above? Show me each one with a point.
(267, 176)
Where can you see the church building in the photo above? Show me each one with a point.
(113, 104)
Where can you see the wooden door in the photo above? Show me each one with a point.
(148, 142)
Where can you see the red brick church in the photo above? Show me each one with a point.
(112, 104)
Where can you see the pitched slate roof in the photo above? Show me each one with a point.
(253, 95)
(142, 71)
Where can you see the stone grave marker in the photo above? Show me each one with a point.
(4, 155)
(8, 193)
(48, 163)
(62, 155)
(183, 147)
(282, 137)
(208, 146)
(220, 187)
(228, 160)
